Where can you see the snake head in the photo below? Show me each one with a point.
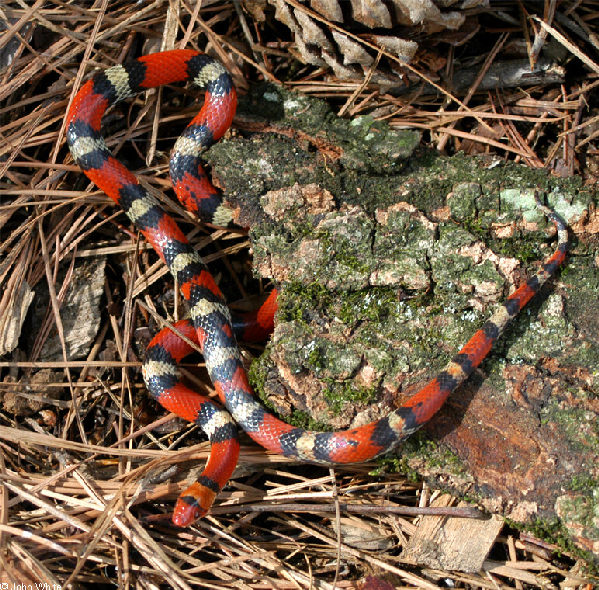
(193, 504)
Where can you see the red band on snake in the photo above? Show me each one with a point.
(210, 324)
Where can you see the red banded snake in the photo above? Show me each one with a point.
(210, 325)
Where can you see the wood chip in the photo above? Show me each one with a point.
(452, 543)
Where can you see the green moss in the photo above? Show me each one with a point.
(345, 247)
(462, 201)
(425, 454)
(303, 420)
(299, 301)
(315, 360)
(369, 304)
(340, 393)
(550, 530)
(257, 376)
(525, 248)
(582, 483)
(436, 456)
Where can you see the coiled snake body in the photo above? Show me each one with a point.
(210, 324)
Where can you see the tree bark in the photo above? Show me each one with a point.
(389, 259)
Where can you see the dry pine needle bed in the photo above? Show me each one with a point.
(90, 467)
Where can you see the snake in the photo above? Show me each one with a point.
(210, 325)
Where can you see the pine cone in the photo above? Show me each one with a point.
(369, 23)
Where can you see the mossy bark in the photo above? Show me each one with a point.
(389, 259)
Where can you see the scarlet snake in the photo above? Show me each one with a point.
(211, 325)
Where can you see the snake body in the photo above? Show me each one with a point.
(210, 325)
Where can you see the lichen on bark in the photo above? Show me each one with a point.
(389, 258)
